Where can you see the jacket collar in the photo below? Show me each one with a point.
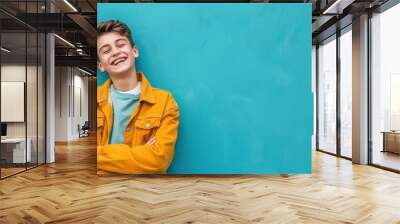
(146, 94)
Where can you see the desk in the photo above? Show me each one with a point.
(391, 141)
(15, 148)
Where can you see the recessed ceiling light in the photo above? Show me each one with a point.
(5, 49)
(86, 72)
(64, 40)
(70, 5)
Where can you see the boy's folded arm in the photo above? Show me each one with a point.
(142, 159)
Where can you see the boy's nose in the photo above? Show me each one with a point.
(115, 52)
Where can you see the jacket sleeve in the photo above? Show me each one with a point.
(143, 159)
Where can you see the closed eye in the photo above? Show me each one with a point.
(121, 45)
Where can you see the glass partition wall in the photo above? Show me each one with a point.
(22, 77)
(334, 90)
(385, 89)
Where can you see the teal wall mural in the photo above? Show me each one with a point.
(241, 74)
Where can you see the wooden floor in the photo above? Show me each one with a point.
(69, 191)
(5, 172)
(10, 171)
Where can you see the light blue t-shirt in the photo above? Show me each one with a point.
(123, 104)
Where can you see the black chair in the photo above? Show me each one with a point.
(84, 130)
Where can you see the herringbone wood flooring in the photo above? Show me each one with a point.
(69, 191)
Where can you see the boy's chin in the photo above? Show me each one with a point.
(121, 71)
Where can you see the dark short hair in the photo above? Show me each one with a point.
(115, 26)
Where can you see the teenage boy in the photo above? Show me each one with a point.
(137, 125)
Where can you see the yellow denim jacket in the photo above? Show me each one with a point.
(157, 114)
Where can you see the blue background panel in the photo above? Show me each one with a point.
(241, 74)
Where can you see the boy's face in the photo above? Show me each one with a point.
(115, 53)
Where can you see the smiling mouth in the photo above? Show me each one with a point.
(118, 60)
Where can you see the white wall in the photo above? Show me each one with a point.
(81, 100)
(15, 72)
(71, 94)
(61, 103)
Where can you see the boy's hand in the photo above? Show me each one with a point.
(151, 141)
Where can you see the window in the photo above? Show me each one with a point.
(385, 88)
(327, 95)
(346, 92)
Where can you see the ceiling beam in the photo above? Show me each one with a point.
(86, 26)
(81, 61)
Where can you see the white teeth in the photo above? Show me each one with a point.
(116, 62)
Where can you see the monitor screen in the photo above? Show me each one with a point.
(3, 129)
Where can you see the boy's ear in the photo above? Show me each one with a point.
(135, 52)
(100, 66)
